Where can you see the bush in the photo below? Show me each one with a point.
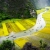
(7, 45)
(42, 45)
(15, 9)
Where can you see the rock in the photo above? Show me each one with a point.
(28, 46)
(47, 48)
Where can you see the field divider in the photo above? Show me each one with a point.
(21, 27)
(30, 22)
(20, 42)
(5, 29)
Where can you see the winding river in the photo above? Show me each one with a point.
(40, 24)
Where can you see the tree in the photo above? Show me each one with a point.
(7, 45)
(42, 45)
(16, 8)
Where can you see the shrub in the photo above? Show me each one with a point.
(7, 45)
(42, 45)
(15, 9)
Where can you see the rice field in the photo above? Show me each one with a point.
(43, 34)
(15, 25)
(46, 30)
(21, 25)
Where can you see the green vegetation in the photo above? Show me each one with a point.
(4, 16)
(15, 9)
(42, 45)
(29, 46)
(7, 45)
